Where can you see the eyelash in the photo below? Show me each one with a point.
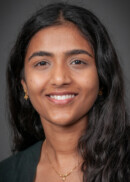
(41, 63)
(78, 61)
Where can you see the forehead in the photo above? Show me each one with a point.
(58, 38)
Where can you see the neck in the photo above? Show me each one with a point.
(61, 142)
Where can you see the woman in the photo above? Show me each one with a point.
(64, 77)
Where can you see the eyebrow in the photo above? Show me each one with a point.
(40, 53)
(68, 53)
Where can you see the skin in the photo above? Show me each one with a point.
(59, 71)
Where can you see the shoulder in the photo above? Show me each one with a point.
(16, 167)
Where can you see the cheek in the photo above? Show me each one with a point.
(36, 83)
(89, 92)
(93, 83)
(89, 81)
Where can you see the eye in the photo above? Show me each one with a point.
(77, 61)
(41, 63)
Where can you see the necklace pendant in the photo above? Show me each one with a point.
(63, 178)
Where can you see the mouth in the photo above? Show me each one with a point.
(62, 98)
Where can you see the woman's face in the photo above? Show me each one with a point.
(60, 75)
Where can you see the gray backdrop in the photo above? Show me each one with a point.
(115, 15)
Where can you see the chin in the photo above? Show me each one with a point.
(62, 121)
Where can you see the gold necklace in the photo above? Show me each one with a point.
(62, 176)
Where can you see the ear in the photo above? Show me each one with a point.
(24, 86)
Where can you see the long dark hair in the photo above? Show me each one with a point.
(104, 146)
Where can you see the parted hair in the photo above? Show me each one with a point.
(105, 144)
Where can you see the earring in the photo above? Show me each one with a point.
(26, 95)
(100, 92)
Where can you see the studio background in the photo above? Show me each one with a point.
(114, 14)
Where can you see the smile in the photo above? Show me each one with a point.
(61, 97)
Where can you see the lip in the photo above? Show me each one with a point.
(62, 93)
(61, 102)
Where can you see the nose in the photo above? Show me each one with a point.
(60, 75)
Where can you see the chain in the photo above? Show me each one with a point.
(62, 176)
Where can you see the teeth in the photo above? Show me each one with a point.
(62, 97)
